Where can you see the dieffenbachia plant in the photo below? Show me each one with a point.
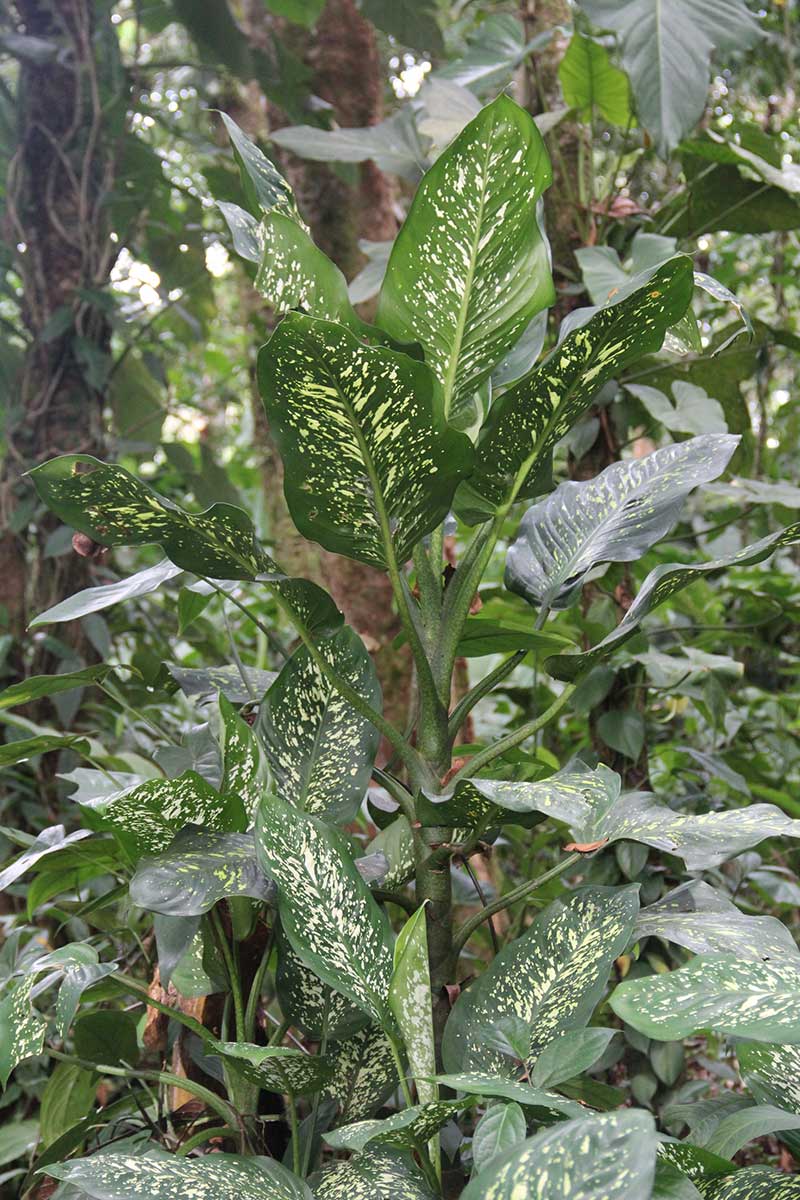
(241, 848)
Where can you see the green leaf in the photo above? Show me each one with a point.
(48, 842)
(410, 1002)
(589, 82)
(671, 1184)
(707, 922)
(24, 1029)
(206, 681)
(694, 410)
(68, 1096)
(320, 750)
(739, 1128)
(107, 1036)
(95, 599)
(373, 1175)
(571, 1053)
(199, 868)
(660, 585)
(245, 771)
(327, 911)
(771, 1075)
(277, 1068)
(615, 517)
(718, 196)
(264, 187)
(412, 22)
(512, 457)
(410, 1128)
(475, 1083)
(608, 1157)
(381, 457)
(36, 687)
(162, 1176)
(469, 268)
(501, 1128)
(753, 1183)
(548, 980)
(311, 1005)
(741, 998)
(495, 48)
(17, 1140)
(393, 145)
(623, 732)
(365, 1074)
(666, 51)
(482, 636)
(24, 748)
(77, 978)
(396, 843)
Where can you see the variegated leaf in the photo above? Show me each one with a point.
(615, 517)
(245, 770)
(771, 1075)
(470, 267)
(277, 1068)
(707, 922)
(396, 843)
(49, 841)
(374, 1175)
(265, 188)
(660, 585)
(751, 1183)
(475, 1083)
(23, 1028)
(162, 1176)
(362, 435)
(739, 997)
(512, 457)
(309, 1003)
(207, 681)
(410, 1128)
(199, 868)
(410, 1002)
(608, 1157)
(548, 980)
(501, 1128)
(365, 1074)
(320, 750)
(327, 911)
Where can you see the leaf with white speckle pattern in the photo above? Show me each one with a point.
(207, 681)
(320, 750)
(199, 868)
(739, 997)
(310, 1004)
(410, 1002)
(475, 1083)
(409, 1128)
(361, 431)
(615, 517)
(708, 922)
(608, 1157)
(23, 1028)
(374, 1175)
(245, 770)
(752, 1183)
(771, 1074)
(470, 267)
(547, 980)
(365, 1074)
(265, 188)
(277, 1068)
(327, 911)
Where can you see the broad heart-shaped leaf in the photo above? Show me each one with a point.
(327, 911)
(48, 842)
(608, 1157)
(365, 1074)
(752, 1183)
(310, 1005)
(277, 1068)
(380, 1174)
(411, 1127)
(707, 922)
(475, 1083)
(410, 1002)
(23, 1028)
(36, 687)
(500, 1129)
(245, 768)
(470, 266)
(363, 439)
(548, 980)
(199, 868)
(589, 82)
(95, 599)
(615, 517)
(320, 750)
(660, 585)
(738, 997)
(162, 1176)
(512, 457)
(666, 51)
(265, 189)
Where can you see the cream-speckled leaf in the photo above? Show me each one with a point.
(199, 868)
(309, 1003)
(470, 267)
(513, 453)
(608, 1157)
(410, 1002)
(365, 1074)
(380, 1174)
(409, 1128)
(277, 1068)
(771, 1075)
(265, 188)
(320, 750)
(363, 439)
(396, 843)
(615, 517)
(207, 681)
(500, 1129)
(660, 585)
(328, 913)
(742, 998)
(245, 769)
(49, 841)
(548, 980)
(162, 1176)
(476, 1083)
(22, 1028)
(752, 1183)
(707, 922)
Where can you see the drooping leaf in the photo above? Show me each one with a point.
(771, 1075)
(739, 1128)
(718, 196)
(68, 1096)
(412, 1127)
(162, 1176)
(365, 1074)
(393, 144)
(589, 82)
(23, 1028)
(739, 997)
(469, 268)
(379, 1174)
(277, 1068)
(48, 842)
(327, 911)
(501, 1128)
(320, 750)
(310, 1004)
(666, 51)
(707, 922)
(615, 517)
(612, 1156)
(660, 585)
(694, 410)
(95, 599)
(547, 980)
(77, 978)
(199, 868)
(410, 1002)
(206, 681)
(482, 636)
(245, 770)
(381, 456)
(475, 1083)
(512, 457)
(495, 48)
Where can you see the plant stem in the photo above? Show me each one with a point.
(518, 893)
(294, 1128)
(232, 967)
(271, 637)
(481, 689)
(255, 990)
(132, 985)
(434, 885)
(401, 1075)
(205, 1135)
(481, 760)
(323, 1046)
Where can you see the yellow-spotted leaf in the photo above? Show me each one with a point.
(311, 1005)
(381, 1174)
(367, 454)
(410, 1002)
(751, 1183)
(199, 868)
(497, 1087)
(245, 769)
(23, 1028)
(365, 1074)
(470, 267)
(410, 1128)
(276, 1068)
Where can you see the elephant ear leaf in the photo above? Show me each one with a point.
(470, 267)
(544, 982)
(369, 460)
(327, 911)
(615, 517)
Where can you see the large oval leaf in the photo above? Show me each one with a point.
(500, 1129)
(381, 457)
(470, 266)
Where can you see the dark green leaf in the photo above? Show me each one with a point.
(25, 748)
(206, 681)
(107, 1037)
(67, 1098)
(500, 1129)
(412, 22)
(264, 187)
(277, 1068)
(199, 868)
(570, 1054)
(35, 687)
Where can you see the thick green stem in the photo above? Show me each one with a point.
(232, 968)
(518, 893)
(481, 689)
(205, 1135)
(434, 886)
